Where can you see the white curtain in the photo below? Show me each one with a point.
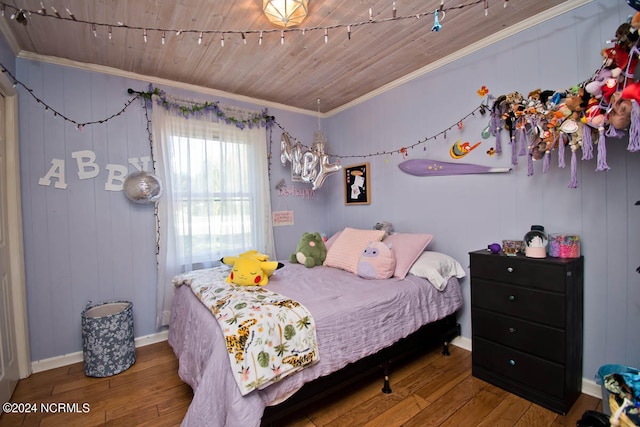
(216, 199)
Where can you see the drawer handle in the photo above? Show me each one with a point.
(510, 269)
(512, 330)
(512, 362)
(512, 298)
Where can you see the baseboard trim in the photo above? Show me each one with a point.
(462, 342)
(71, 358)
(589, 387)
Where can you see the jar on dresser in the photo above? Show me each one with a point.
(527, 319)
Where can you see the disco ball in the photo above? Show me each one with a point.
(142, 187)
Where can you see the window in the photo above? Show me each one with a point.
(214, 202)
(216, 199)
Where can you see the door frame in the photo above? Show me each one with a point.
(14, 218)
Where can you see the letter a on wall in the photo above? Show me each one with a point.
(56, 171)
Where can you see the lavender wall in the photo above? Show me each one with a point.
(83, 242)
(467, 213)
(7, 58)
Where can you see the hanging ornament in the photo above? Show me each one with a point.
(142, 187)
(436, 23)
(319, 139)
(482, 91)
(459, 150)
(318, 157)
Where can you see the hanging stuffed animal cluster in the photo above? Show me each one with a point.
(606, 105)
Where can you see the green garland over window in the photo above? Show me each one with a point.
(261, 119)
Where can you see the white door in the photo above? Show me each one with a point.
(9, 373)
(15, 361)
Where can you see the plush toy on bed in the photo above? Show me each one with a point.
(230, 260)
(310, 251)
(377, 261)
(386, 226)
(250, 268)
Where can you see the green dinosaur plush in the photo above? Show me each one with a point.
(310, 251)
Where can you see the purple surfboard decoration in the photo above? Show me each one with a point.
(427, 167)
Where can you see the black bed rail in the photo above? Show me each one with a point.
(424, 339)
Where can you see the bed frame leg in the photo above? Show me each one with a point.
(445, 349)
(386, 388)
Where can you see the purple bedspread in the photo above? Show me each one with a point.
(354, 318)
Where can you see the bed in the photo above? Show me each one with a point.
(360, 324)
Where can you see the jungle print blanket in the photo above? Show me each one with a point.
(268, 335)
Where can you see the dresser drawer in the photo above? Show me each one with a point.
(525, 303)
(519, 270)
(532, 338)
(517, 366)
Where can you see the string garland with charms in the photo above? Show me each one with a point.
(404, 151)
(539, 123)
(262, 119)
(23, 15)
(79, 125)
(315, 167)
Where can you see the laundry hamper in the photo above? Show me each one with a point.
(108, 344)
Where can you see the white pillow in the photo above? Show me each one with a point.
(437, 268)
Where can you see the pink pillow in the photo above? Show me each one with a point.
(407, 247)
(377, 261)
(345, 251)
(332, 239)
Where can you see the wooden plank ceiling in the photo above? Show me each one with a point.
(296, 73)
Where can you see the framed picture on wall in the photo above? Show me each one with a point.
(356, 185)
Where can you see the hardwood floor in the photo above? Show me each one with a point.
(432, 390)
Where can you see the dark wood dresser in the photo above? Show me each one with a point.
(527, 317)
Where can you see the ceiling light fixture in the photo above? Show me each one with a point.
(286, 13)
